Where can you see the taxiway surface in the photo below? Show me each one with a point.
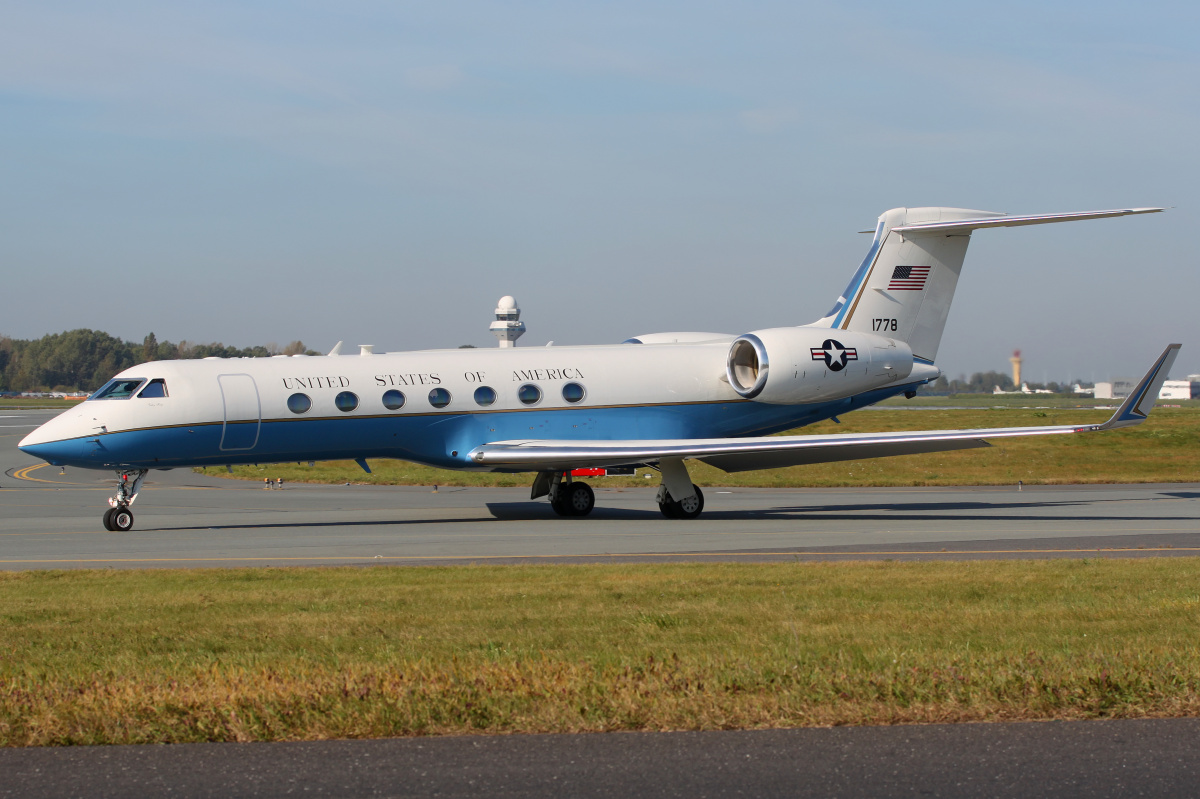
(1138, 757)
(52, 520)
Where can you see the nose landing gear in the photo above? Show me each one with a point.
(118, 518)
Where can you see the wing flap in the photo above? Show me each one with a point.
(847, 452)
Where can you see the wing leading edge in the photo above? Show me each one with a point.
(744, 454)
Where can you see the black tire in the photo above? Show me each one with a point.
(108, 524)
(559, 503)
(580, 499)
(122, 520)
(688, 509)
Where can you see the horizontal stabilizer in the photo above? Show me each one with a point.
(1016, 221)
(743, 454)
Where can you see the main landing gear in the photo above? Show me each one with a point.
(119, 518)
(678, 497)
(680, 509)
(573, 499)
(569, 498)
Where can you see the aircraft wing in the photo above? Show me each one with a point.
(768, 452)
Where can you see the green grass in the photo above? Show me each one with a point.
(284, 654)
(1012, 401)
(1166, 448)
(34, 403)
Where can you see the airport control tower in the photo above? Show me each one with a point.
(1015, 360)
(508, 326)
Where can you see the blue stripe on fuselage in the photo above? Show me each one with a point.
(437, 440)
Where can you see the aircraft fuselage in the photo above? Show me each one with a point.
(231, 411)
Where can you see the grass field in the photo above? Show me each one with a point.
(34, 403)
(283, 654)
(1166, 448)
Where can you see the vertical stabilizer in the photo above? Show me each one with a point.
(905, 285)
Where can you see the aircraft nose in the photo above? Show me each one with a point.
(55, 440)
(40, 451)
(44, 434)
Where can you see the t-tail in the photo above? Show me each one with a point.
(905, 285)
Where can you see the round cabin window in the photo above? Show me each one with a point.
(299, 403)
(393, 400)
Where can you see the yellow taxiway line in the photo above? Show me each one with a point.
(23, 474)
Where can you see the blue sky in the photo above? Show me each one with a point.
(383, 172)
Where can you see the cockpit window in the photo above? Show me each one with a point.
(121, 388)
(156, 389)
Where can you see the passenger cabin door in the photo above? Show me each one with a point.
(243, 416)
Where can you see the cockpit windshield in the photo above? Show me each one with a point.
(156, 389)
(121, 388)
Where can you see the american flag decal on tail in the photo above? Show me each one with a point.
(908, 278)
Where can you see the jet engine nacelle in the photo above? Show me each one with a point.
(789, 365)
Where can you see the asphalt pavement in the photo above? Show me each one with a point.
(1050, 759)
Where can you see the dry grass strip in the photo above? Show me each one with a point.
(289, 654)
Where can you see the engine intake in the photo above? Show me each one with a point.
(748, 365)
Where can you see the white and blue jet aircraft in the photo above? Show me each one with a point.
(652, 401)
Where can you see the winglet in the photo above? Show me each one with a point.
(1140, 402)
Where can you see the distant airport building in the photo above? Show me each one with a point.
(1171, 389)
(1116, 389)
(1181, 389)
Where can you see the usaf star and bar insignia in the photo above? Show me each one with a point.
(834, 355)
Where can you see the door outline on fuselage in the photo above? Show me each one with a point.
(240, 403)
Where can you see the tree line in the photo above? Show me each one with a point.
(83, 360)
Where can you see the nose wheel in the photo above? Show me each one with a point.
(119, 518)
